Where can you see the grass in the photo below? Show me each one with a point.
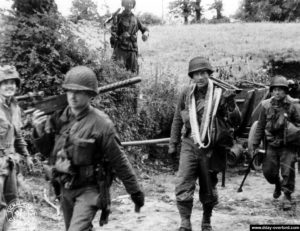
(242, 47)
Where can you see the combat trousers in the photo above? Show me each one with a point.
(127, 58)
(79, 207)
(193, 165)
(8, 188)
(283, 159)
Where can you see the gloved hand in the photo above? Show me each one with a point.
(104, 217)
(138, 199)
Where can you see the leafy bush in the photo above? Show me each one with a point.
(149, 19)
(43, 48)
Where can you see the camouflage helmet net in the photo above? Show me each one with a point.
(8, 72)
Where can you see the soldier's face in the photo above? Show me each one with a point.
(278, 93)
(78, 100)
(128, 5)
(200, 78)
(8, 88)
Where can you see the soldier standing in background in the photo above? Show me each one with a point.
(80, 140)
(280, 155)
(11, 140)
(124, 37)
(195, 162)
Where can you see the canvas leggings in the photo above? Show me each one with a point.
(79, 207)
(283, 159)
(128, 59)
(193, 165)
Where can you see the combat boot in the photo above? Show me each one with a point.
(207, 212)
(277, 191)
(287, 202)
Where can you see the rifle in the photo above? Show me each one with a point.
(54, 103)
(255, 154)
(112, 17)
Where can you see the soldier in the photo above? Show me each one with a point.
(195, 162)
(124, 37)
(280, 155)
(77, 140)
(11, 140)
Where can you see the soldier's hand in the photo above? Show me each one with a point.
(138, 199)
(145, 36)
(172, 150)
(38, 121)
(104, 217)
(229, 94)
(29, 163)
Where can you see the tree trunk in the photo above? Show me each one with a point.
(219, 14)
(198, 10)
(186, 20)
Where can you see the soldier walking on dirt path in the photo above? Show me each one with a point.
(195, 162)
(81, 142)
(280, 154)
(11, 141)
(124, 37)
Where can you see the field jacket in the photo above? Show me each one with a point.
(124, 31)
(181, 121)
(87, 139)
(11, 139)
(271, 121)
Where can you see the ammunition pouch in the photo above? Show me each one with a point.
(105, 178)
(292, 134)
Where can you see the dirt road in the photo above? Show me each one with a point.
(236, 211)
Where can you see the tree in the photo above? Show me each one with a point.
(84, 9)
(218, 6)
(186, 8)
(198, 10)
(39, 43)
(269, 10)
(34, 6)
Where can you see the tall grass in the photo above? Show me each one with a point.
(241, 48)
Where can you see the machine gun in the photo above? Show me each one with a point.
(32, 101)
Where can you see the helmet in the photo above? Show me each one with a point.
(9, 72)
(125, 2)
(279, 81)
(199, 63)
(81, 78)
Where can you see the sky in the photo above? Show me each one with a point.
(157, 7)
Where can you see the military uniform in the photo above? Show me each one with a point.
(279, 155)
(11, 141)
(77, 147)
(276, 113)
(124, 39)
(195, 163)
